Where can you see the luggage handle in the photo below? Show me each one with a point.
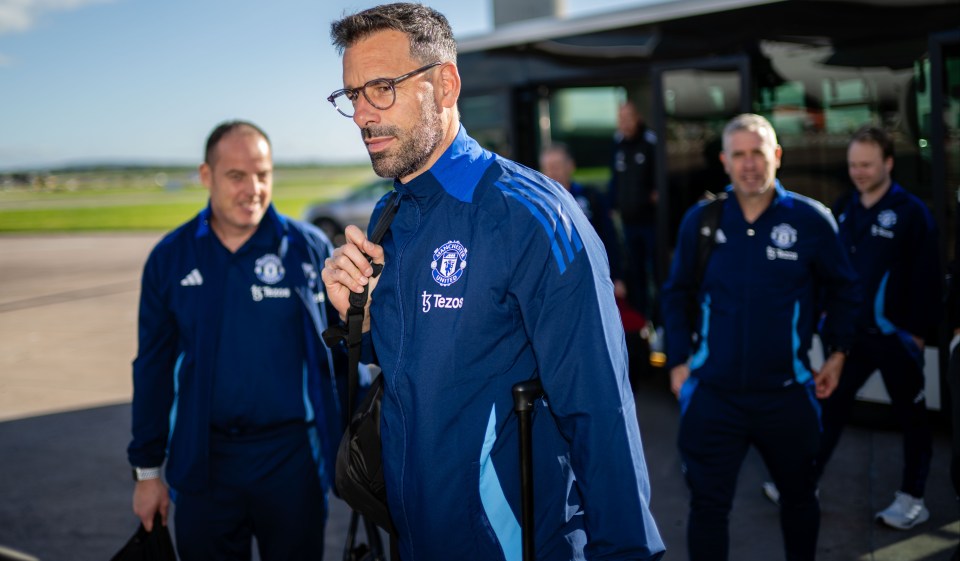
(525, 394)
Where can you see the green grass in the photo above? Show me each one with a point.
(116, 200)
(596, 177)
(161, 199)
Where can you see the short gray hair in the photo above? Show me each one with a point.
(430, 34)
(750, 122)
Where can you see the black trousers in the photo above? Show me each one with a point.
(717, 427)
(264, 485)
(900, 363)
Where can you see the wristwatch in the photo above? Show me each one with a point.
(143, 474)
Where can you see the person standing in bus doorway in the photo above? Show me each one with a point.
(527, 295)
(747, 380)
(633, 195)
(891, 239)
(953, 374)
(233, 388)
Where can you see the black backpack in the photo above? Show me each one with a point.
(706, 242)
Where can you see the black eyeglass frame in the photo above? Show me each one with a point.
(354, 93)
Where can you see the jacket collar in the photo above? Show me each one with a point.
(456, 172)
(271, 230)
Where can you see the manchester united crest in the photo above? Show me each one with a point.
(783, 236)
(449, 261)
(887, 218)
(269, 269)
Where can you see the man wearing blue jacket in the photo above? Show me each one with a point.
(633, 195)
(776, 264)
(492, 275)
(891, 239)
(233, 389)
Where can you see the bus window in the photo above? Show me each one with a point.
(585, 118)
(817, 97)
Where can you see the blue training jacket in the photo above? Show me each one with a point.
(763, 290)
(893, 247)
(494, 276)
(181, 306)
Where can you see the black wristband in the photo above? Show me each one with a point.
(837, 349)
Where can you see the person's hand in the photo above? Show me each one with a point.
(150, 496)
(678, 375)
(619, 288)
(918, 341)
(348, 270)
(829, 375)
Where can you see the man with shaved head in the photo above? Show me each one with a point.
(233, 392)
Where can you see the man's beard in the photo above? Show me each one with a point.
(413, 148)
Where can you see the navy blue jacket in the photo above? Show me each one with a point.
(760, 299)
(494, 276)
(595, 207)
(893, 247)
(632, 178)
(181, 304)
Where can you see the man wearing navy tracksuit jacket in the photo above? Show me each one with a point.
(748, 381)
(492, 275)
(891, 239)
(233, 387)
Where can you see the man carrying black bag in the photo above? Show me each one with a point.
(491, 275)
(235, 394)
(154, 545)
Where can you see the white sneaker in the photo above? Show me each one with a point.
(771, 492)
(904, 512)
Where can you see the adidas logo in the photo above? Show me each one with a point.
(193, 278)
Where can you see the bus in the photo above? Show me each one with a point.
(817, 69)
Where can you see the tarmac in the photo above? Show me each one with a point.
(68, 307)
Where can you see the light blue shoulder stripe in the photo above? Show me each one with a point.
(616, 352)
(800, 372)
(885, 325)
(176, 397)
(554, 247)
(547, 209)
(700, 357)
(552, 204)
(312, 434)
(686, 393)
(495, 504)
(307, 406)
(819, 207)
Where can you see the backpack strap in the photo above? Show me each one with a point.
(709, 223)
(706, 242)
(352, 333)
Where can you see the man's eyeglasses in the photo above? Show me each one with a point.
(379, 92)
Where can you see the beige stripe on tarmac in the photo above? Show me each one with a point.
(925, 545)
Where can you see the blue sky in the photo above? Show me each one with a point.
(144, 81)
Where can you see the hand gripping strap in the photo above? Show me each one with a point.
(353, 333)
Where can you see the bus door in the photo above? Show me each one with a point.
(940, 143)
(692, 101)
